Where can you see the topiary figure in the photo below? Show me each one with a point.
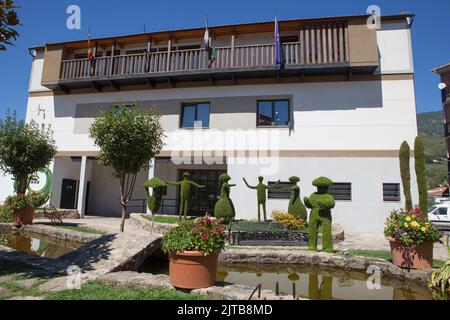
(261, 193)
(185, 191)
(154, 200)
(321, 203)
(404, 155)
(419, 156)
(224, 207)
(322, 292)
(296, 206)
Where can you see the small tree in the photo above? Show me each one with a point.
(24, 149)
(404, 155)
(8, 20)
(128, 139)
(419, 156)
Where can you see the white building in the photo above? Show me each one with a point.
(340, 107)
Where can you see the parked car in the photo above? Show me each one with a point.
(439, 215)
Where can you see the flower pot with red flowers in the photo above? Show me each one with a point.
(193, 248)
(411, 237)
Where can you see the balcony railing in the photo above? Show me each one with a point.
(326, 48)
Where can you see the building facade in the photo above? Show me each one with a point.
(339, 107)
(444, 73)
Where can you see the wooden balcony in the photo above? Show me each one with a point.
(326, 48)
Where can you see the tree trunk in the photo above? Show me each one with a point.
(122, 221)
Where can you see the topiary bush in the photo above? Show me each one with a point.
(224, 207)
(154, 200)
(404, 155)
(321, 203)
(296, 206)
(419, 156)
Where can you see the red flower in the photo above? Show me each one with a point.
(205, 237)
(208, 221)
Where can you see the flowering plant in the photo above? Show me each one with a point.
(410, 227)
(204, 234)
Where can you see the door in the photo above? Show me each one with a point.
(68, 194)
(202, 201)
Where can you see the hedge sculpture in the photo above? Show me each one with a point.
(185, 191)
(296, 206)
(224, 207)
(324, 291)
(321, 203)
(154, 200)
(404, 155)
(261, 193)
(419, 156)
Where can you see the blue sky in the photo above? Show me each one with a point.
(45, 21)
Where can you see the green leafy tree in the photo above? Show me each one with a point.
(128, 139)
(419, 155)
(25, 148)
(404, 155)
(8, 20)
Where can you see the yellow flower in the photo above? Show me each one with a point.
(415, 224)
(424, 229)
(406, 225)
(408, 218)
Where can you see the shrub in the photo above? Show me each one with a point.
(203, 234)
(404, 155)
(410, 227)
(6, 215)
(292, 222)
(419, 155)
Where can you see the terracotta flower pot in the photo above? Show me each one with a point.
(412, 257)
(192, 269)
(23, 216)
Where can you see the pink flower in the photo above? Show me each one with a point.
(205, 237)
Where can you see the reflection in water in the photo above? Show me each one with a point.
(38, 245)
(310, 282)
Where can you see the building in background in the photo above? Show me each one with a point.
(340, 106)
(444, 86)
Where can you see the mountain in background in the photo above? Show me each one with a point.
(431, 129)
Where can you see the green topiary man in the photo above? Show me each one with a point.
(224, 207)
(185, 191)
(154, 200)
(321, 203)
(296, 206)
(261, 192)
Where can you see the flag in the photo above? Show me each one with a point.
(277, 57)
(209, 49)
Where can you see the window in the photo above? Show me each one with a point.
(281, 191)
(391, 192)
(273, 113)
(341, 191)
(441, 212)
(193, 113)
(117, 106)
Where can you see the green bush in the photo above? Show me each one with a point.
(6, 215)
(203, 234)
(404, 155)
(419, 155)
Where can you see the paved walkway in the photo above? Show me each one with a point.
(356, 241)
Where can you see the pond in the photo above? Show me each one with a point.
(38, 245)
(310, 282)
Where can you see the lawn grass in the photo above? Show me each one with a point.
(163, 219)
(97, 291)
(83, 229)
(386, 255)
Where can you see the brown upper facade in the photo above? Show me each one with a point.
(331, 46)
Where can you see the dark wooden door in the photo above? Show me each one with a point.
(68, 194)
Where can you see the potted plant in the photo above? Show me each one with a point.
(193, 247)
(411, 237)
(23, 205)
